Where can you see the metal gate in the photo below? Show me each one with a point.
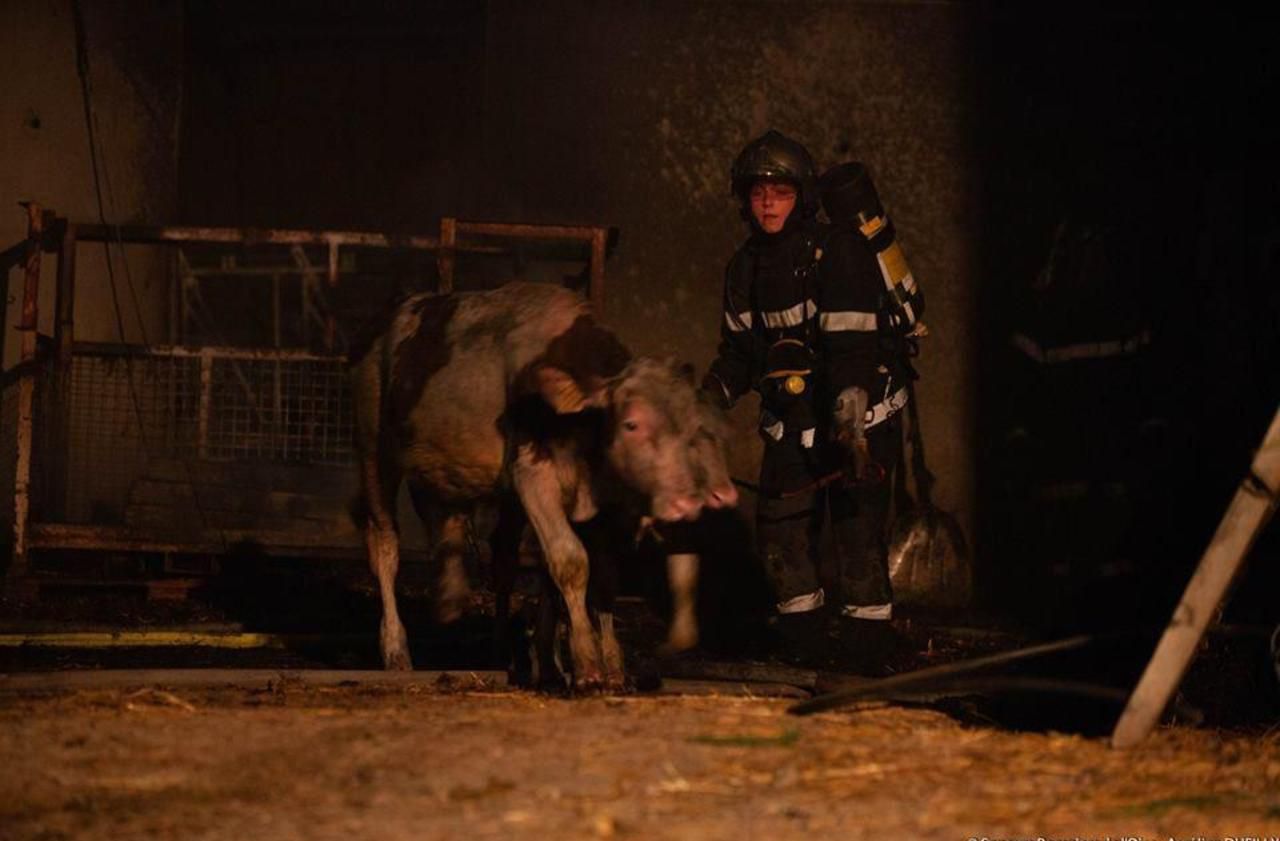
(197, 446)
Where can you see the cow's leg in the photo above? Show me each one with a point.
(447, 531)
(602, 592)
(615, 673)
(543, 499)
(454, 590)
(682, 577)
(381, 481)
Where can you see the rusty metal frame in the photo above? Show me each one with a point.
(47, 232)
(598, 239)
(28, 325)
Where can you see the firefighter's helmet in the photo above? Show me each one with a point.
(774, 155)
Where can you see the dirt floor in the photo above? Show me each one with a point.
(295, 761)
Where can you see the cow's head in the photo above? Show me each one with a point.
(665, 442)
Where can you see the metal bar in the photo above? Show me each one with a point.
(13, 255)
(155, 234)
(31, 289)
(279, 423)
(304, 315)
(445, 259)
(206, 398)
(330, 320)
(22, 369)
(175, 310)
(1254, 503)
(218, 352)
(186, 280)
(64, 325)
(28, 325)
(596, 290)
(333, 264)
(584, 233)
(310, 292)
(252, 236)
(215, 273)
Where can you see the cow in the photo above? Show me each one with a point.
(519, 390)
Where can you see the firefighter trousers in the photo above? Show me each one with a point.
(789, 529)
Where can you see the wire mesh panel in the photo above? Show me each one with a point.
(295, 410)
(122, 411)
(143, 425)
(8, 454)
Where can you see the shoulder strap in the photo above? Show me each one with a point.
(815, 242)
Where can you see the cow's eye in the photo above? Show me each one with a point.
(630, 425)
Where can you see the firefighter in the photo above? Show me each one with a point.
(814, 321)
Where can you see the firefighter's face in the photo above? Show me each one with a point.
(771, 204)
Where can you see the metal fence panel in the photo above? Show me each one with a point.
(133, 415)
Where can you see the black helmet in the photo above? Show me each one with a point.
(774, 155)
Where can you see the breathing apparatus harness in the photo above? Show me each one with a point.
(849, 198)
(786, 385)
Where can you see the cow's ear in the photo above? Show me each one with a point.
(564, 394)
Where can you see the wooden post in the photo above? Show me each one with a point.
(445, 259)
(1249, 511)
(28, 325)
(596, 290)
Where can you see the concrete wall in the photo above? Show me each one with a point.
(134, 56)
(982, 126)
(621, 113)
(632, 114)
(135, 61)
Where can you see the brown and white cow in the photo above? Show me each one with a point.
(469, 395)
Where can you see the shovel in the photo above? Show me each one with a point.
(928, 557)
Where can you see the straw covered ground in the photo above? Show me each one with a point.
(418, 762)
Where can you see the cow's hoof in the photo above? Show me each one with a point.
(618, 685)
(679, 640)
(590, 683)
(397, 661)
(668, 650)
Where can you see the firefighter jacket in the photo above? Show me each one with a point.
(824, 286)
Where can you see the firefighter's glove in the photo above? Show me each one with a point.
(849, 429)
(860, 469)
